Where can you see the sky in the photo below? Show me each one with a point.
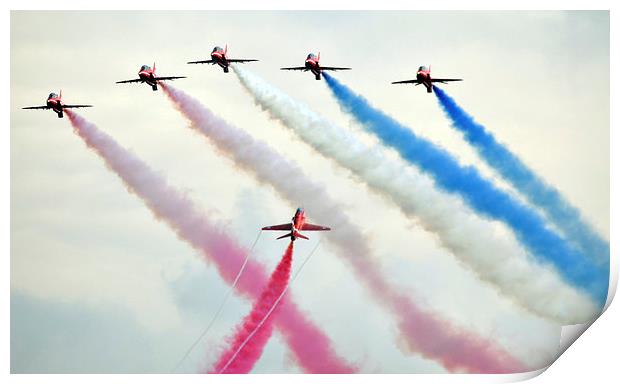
(98, 285)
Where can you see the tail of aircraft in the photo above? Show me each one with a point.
(225, 49)
(60, 94)
(153, 67)
(318, 57)
(293, 236)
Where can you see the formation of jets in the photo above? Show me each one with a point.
(147, 75)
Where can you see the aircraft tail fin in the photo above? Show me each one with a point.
(290, 234)
(301, 236)
(225, 49)
(293, 236)
(154, 67)
(60, 94)
(318, 57)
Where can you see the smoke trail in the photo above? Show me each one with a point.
(233, 285)
(479, 193)
(311, 347)
(492, 257)
(240, 357)
(434, 338)
(563, 215)
(271, 310)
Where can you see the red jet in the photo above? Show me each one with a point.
(298, 223)
(424, 77)
(218, 56)
(55, 103)
(312, 64)
(147, 75)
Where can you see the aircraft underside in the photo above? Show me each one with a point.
(224, 66)
(153, 85)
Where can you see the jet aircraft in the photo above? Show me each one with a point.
(218, 56)
(147, 75)
(297, 224)
(312, 64)
(54, 102)
(423, 77)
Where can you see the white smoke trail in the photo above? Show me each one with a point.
(494, 258)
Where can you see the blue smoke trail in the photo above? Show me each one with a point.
(479, 193)
(558, 210)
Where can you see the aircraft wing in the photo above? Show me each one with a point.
(76, 106)
(39, 107)
(313, 227)
(240, 60)
(169, 78)
(414, 81)
(334, 68)
(280, 227)
(129, 81)
(294, 69)
(444, 80)
(201, 62)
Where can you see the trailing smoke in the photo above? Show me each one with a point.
(495, 259)
(248, 342)
(484, 197)
(311, 347)
(558, 210)
(456, 349)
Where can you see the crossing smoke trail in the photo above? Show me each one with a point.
(243, 361)
(471, 239)
(435, 338)
(270, 311)
(479, 193)
(563, 215)
(311, 347)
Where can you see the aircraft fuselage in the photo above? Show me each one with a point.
(220, 59)
(297, 222)
(425, 79)
(314, 67)
(55, 105)
(148, 77)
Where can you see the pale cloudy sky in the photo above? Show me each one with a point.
(97, 285)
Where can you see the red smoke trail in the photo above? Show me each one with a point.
(310, 346)
(240, 357)
(424, 331)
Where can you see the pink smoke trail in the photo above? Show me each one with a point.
(435, 338)
(311, 347)
(241, 355)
